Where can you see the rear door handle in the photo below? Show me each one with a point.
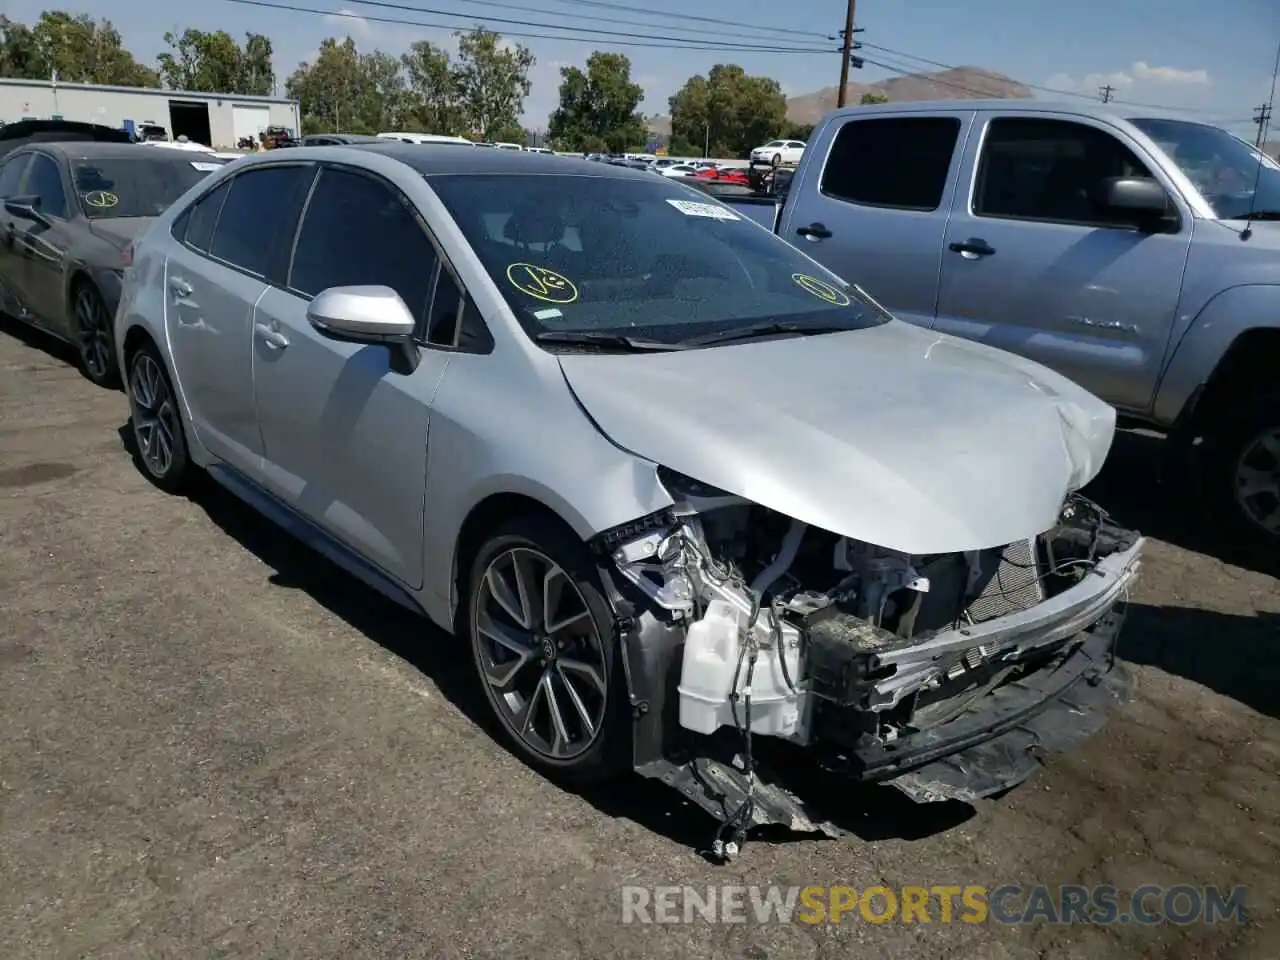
(272, 338)
(179, 287)
(814, 231)
(973, 247)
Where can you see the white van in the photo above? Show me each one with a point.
(424, 138)
(507, 146)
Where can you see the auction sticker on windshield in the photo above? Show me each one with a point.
(821, 289)
(101, 199)
(541, 283)
(712, 211)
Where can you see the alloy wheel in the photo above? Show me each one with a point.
(540, 654)
(155, 419)
(93, 327)
(1257, 481)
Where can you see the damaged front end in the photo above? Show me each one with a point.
(946, 676)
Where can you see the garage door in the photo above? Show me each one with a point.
(249, 121)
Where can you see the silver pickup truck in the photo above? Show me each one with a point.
(1137, 254)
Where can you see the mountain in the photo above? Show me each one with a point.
(957, 83)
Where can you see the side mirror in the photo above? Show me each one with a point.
(1141, 196)
(367, 315)
(361, 315)
(25, 208)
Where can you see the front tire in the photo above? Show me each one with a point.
(1241, 471)
(777, 159)
(92, 324)
(545, 650)
(160, 445)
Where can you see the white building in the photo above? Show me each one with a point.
(215, 119)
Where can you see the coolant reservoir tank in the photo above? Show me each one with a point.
(707, 677)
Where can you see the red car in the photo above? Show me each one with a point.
(732, 175)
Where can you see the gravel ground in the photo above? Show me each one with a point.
(218, 745)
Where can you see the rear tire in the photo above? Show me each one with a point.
(94, 341)
(545, 650)
(160, 444)
(1240, 469)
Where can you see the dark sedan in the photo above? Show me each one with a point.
(71, 211)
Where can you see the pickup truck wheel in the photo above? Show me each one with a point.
(1242, 470)
(545, 650)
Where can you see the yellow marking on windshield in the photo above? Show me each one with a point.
(821, 289)
(541, 283)
(101, 199)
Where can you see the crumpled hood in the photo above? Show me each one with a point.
(896, 436)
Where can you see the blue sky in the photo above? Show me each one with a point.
(1212, 58)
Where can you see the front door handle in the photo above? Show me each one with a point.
(272, 338)
(972, 248)
(179, 287)
(814, 231)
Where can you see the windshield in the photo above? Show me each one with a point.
(136, 186)
(1223, 168)
(649, 259)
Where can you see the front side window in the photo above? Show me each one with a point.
(45, 182)
(258, 218)
(1050, 170)
(1233, 177)
(897, 162)
(357, 231)
(11, 175)
(135, 187)
(644, 258)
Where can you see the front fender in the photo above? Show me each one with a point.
(1224, 318)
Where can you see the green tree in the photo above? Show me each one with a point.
(598, 108)
(83, 50)
(796, 131)
(872, 97)
(346, 91)
(20, 54)
(492, 81)
(215, 63)
(433, 89)
(727, 112)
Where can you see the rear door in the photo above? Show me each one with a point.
(233, 240)
(12, 265)
(874, 208)
(345, 424)
(1033, 266)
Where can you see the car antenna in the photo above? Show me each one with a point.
(1247, 232)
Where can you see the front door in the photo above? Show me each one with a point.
(233, 242)
(344, 425)
(46, 246)
(12, 264)
(877, 211)
(1034, 266)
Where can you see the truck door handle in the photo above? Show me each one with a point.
(814, 231)
(273, 338)
(179, 287)
(973, 247)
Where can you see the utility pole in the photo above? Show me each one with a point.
(1105, 93)
(848, 52)
(1262, 117)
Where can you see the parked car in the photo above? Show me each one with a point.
(20, 133)
(678, 170)
(71, 211)
(1137, 254)
(779, 151)
(334, 139)
(604, 506)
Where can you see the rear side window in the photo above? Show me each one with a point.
(359, 231)
(899, 162)
(203, 217)
(259, 217)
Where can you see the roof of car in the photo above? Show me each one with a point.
(93, 150)
(1082, 107)
(438, 159)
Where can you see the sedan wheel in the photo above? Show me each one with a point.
(544, 650)
(93, 337)
(157, 428)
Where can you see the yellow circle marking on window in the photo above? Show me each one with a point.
(822, 290)
(101, 199)
(541, 283)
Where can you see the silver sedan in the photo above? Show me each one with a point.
(677, 485)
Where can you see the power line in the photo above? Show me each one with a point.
(673, 15)
(674, 44)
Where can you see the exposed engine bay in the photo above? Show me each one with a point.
(883, 662)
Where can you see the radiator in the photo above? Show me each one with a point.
(1014, 586)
